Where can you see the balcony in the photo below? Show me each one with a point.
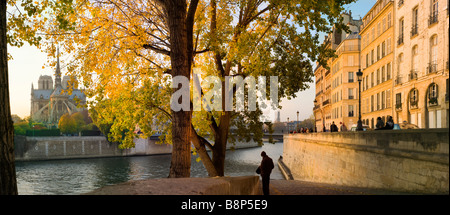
(326, 102)
(413, 104)
(433, 101)
(347, 48)
(433, 19)
(414, 30)
(432, 68)
(327, 73)
(400, 39)
(398, 80)
(318, 93)
(316, 107)
(412, 75)
(398, 106)
(351, 97)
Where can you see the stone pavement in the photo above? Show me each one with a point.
(294, 187)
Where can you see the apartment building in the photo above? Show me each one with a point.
(377, 56)
(336, 87)
(421, 57)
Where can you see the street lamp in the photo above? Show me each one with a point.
(359, 126)
(297, 121)
(315, 122)
(288, 126)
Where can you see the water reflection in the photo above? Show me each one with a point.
(78, 176)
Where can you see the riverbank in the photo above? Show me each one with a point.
(78, 147)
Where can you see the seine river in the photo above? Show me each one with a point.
(72, 177)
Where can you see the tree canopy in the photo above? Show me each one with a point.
(126, 52)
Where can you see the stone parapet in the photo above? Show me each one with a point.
(405, 160)
(243, 185)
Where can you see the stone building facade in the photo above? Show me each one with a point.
(377, 55)
(421, 57)
(50, 101)
(336, 87)
(404, 59)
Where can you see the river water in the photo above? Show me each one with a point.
(71, 177)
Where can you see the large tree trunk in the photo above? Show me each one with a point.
(8, 183)
(181, 120)
(220, 143)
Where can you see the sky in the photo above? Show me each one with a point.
(27, 66)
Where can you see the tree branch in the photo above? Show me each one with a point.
(156, 49)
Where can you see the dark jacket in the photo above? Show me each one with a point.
(333, 128)
(266, 165)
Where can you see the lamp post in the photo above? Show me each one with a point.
(297, 121)
(288, 126)
(359, 126)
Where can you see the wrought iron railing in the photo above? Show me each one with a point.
(400, 39)
(412, 75)
(433, 18)
(432, 68)
(414, 30)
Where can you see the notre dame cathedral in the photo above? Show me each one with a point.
(49, 102)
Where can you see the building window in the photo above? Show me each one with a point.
(350, 93)
(378, 76)
(367, 60)
(371, 103)
(378, 101)
(350, 77)
(383, 100)
(371, 79)
(378, 53)
(432, 65)
(401, 26)
(388, 45)
(433, 94)
(350, 111)
(388, 98)
(388, 71)
(383, 49)
(434, 12)
(415, 22)
(398, 101)
(383, 74)
(373, 57)
(414, 98)
(389, 20)
(414, 63)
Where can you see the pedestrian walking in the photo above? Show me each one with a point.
(379, 124)
(333, 127)
(265, 169)
(389, 124)
(343, 127)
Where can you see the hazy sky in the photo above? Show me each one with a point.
(26, 67)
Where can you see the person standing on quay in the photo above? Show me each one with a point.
(265, 169)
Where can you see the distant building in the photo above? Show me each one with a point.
(49, 102)
(278, 118)
(336, 88)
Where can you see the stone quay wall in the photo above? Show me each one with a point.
(52, 148)
(399, 160)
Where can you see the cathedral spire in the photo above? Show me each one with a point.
(58, 71)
